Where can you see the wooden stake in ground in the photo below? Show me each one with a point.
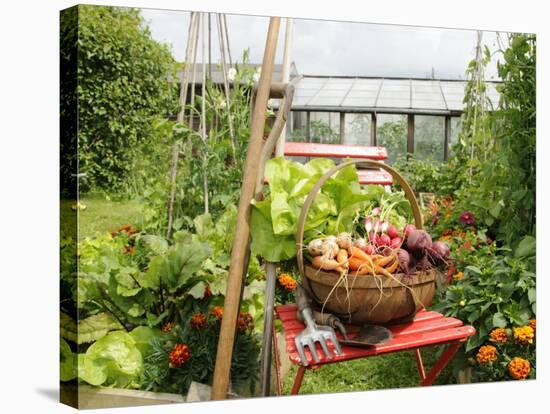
(242, 230)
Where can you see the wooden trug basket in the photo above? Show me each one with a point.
(366, 299)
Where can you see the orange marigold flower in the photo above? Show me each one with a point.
(245, 322)
(499, 335)
(486, 354)
(167, 327)
(458, 276)
(198, 320)
(217, 312)
(287, 281)
(524, 334)
(519, 368)
(533, 324)
(447, 232)
(446, 238)
(179, 355)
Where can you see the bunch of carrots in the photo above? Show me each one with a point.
(341, 254)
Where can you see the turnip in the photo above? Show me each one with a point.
(315, 247)
(330, 248)
(392, 232)
(344, 240)
(361, 244)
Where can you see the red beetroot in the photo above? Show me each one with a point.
(408, 229)
(419, 243)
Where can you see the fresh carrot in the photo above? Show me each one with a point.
(357, 253)
(393, 266)
(320, 262)
(342, 257)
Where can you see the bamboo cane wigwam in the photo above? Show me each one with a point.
(366, 299)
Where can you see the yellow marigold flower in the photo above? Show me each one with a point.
(519, 368)
(533, 324)
(524, 334)
(458, 276)
(499, 335)
(446, 238)
(486, 354)
(287, 281)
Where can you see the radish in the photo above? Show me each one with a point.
(392, 232)
(368, 225)
(384, 240)
(373, 238)
(370, 249)
(408, 229)
(376, 211)
(384, 227)
(377, 225)
(396, 242)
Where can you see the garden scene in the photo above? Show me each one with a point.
(147, 237)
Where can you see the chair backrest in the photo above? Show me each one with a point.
(372, 176)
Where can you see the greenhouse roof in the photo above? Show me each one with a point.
(383, 95)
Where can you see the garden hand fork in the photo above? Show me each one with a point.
(313, 333)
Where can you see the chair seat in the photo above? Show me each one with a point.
(428, 328)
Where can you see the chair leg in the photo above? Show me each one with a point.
(420, 364)
(298, 380)
(447, 355)
(277, 363)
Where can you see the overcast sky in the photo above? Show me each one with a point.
(338, 48)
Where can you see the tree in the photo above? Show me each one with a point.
(124, 80)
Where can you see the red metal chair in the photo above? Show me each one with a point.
(380, 177)
(427, 329)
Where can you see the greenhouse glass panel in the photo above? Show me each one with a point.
(391, 132)
(429, 137)
(325, 127)
(357, 129)
(456, 126)
(298, 127)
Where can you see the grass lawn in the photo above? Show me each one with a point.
(382, 372)
(100, 215)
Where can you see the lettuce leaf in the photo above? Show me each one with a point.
(274, 220)
(113, 360)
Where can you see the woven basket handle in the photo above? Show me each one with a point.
(313, 193)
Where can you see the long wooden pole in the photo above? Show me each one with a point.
(285, 78)
(242, 230)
